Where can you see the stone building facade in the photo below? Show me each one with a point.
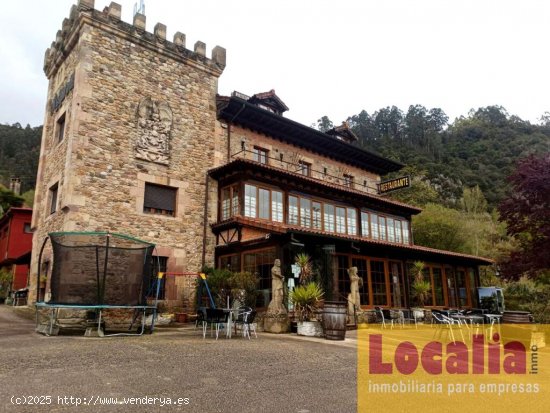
(136, 140)
(127, 109)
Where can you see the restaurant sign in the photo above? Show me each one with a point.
(394, 184)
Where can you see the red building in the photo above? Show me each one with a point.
(16, 244)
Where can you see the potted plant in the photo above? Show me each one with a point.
(420, 288)
(306, 299)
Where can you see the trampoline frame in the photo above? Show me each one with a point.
(55, 307)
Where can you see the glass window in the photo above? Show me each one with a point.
(342, 262)
(391, 230)
(231, 262)
(378, 280)
(405, 232)
(277, 206)
(461, 286)
(263, 205)
(374, 226)
(352, 221)
(438, 286)
(396, 284)
(260, 155)
(348, 180)
(260, 263)
(226, 203)
(316, 215)
(61, 128)
(382, 227)
(473, 290)
(329, 218)
(451, 291)
(365, 224)
(340, 220)
(235, 201)
(305, 212)
(304, 168)
(293, 210)
(250, 201)
(53, 198)
(398, 237)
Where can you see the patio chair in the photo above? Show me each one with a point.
(249, 324)
(441, 320)
(217, 318)
(246, 321)
(201, 316)
(383, 315)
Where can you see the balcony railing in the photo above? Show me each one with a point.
(308, 171)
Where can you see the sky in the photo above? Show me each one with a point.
(333, 58)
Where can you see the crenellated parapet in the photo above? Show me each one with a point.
(110, 19)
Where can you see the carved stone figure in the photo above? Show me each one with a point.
(276, 305)
(276, 318)
(354, 300)
(154, 125)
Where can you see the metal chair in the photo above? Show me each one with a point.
(246, 321)
(383, 315)
(217, 318)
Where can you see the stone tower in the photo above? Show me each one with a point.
(128, 136)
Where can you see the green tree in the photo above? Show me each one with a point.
(439, 227)
(9, 199)
(324, 124)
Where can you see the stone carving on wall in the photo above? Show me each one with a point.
(154, 126)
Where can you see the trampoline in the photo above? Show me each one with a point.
(98, 271)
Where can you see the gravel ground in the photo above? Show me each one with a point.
(269, 374)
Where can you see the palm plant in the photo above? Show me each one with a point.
(306, 270)
(420, 287)
(306, 299)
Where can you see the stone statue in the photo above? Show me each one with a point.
(154, 124)
(276, 305)
(276, 318)
(354, 300)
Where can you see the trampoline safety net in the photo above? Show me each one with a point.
(97, 268)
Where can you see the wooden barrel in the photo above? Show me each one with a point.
(516, 317)
(334, 320)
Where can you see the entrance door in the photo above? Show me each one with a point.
(396, 285)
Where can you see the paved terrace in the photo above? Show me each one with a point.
(269, 374)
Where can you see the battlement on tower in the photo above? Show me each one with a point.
(110, 19)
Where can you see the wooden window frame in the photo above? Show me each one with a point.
(262, 155)
(304, 167)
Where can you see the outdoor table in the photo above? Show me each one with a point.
(229, 324)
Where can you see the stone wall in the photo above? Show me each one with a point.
(142, 110)
(291, 154)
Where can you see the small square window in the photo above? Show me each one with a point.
(159, 199)
(304, 168)
(27, 228)
(260, 155)
(348, 180)
(60, 128)
(53, 198)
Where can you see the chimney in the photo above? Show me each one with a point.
(15, 186)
